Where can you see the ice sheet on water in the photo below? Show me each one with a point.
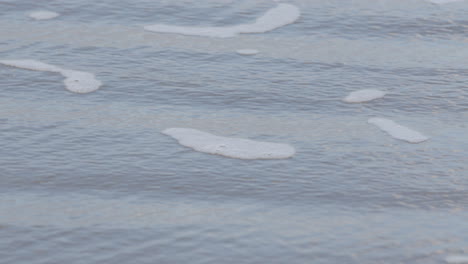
(229, 147)
(364, 96)
(397, 131)
(43, 15)
(279, 16)
(75, 81)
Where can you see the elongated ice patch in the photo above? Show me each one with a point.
(397, 131)
(457, 259)
(364, 96)
(43, 15)
(229, 147)
(75, 81)
(279, 16)
(247, 51)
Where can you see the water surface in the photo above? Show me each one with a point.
(90, 178)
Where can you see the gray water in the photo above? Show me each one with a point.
(89, 178)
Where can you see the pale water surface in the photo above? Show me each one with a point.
(90, 178)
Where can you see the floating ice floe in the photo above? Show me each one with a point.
(364, 96)
(75, 81)
(279, 16)
(457, 259)
(43, 15)
(229, 147)
(397, 131)
(247, 51)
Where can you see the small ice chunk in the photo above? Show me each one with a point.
(247, 51)
(43, 15)
(75, 81)
(397, 131)
(457, 259)
(229, 147)
(364, 96)
(80, 82)
(279, 16)
(33, 65)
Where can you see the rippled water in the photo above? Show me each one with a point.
(89, 178)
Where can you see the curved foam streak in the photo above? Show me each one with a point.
(247, 51)
(397, 131)
(458, 259)
(441, 2)
(32, 65)
(75, 81)
(229, 147)
(279, 16)
(364, 96)
(43, 15)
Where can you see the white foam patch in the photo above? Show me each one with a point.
(229, 147)
(80, 82)
(397, 131)
(458, 259)
(364, 96)
(75, 81)
(441, 2)
(279, 16)
(43, 15)
(247, 51)
(33, 65)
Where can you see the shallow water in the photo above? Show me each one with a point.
(90, 178)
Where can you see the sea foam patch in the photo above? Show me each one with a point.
(43, 15)
(32, 65)
(458, 259)
(229, 147)
(247, 51)
(279, 16)
(80, 82)
(397, 131)
(75, 81)
(441, 2)
(364, 96)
